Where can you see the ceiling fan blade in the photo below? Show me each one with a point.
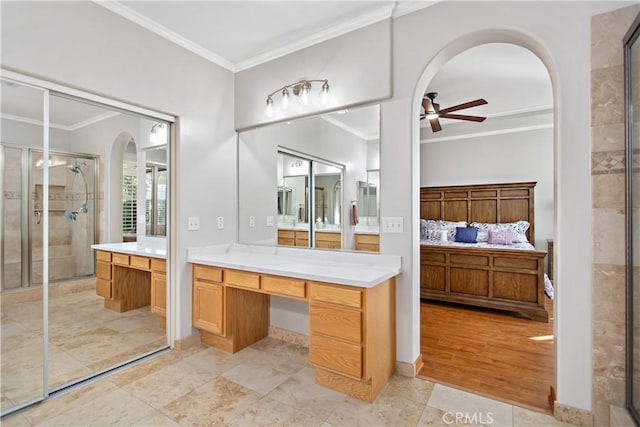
(463, 106)
(435, 125)
(463, 117)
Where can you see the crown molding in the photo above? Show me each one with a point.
(76, 126)
(342, 28)
(529, 111)
(488, 133)
(345, 127)
(151, 25)
(406, 7)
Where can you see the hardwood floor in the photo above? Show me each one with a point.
(488, 352)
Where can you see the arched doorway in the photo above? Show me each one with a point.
(456, 155)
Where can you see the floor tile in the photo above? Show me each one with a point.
(301, 392)
(471, 406)
(386, 410)
(214, 403)
(264, 373)
(268, 412)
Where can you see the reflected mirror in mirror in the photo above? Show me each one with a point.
(338, 150)
(156, 192)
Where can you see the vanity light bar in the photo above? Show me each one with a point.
(302, 89)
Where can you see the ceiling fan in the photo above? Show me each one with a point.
(432, 111)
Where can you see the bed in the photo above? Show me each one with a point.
(505, 277)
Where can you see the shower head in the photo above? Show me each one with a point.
(74, 168)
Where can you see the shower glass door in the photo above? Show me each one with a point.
(22, 330)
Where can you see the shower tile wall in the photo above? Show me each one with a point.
(68, 238)
(12, 218)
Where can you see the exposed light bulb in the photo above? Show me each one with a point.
(324, 96)
(269, 106)
(306, 87)
(285, 98)
(432, 115)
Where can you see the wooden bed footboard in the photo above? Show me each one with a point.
(504, 279)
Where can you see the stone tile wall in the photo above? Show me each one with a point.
(608, 214)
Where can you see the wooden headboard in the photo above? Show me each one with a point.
(480, 203)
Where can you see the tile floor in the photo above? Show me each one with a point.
(84, 338)
(267, 384)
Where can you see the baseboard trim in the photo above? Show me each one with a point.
(409, 369)
(571, 415)
(187, 342)
(289, 336)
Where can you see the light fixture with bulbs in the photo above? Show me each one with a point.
(302, 89)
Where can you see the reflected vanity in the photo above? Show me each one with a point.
(318, 168)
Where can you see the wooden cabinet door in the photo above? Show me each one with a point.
(208, 307)
(159, 294)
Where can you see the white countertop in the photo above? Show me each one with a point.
(152, 247)
(346, 268)
(305, 227)
(366, 229)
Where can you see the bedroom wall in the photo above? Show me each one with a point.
(608, 211)
(514, 157)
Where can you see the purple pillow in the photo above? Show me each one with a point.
(500, 237)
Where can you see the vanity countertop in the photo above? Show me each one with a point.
(346, 268)
(366, 229)
(154, 249)
(305, 227)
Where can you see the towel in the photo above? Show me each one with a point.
(354, 215)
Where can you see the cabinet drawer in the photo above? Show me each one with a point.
(338, 356)
(368, 238)
(103, 256)
(335, 295)
(120, 259)
(207, 273)
(284, 286)
(103, 270)
(242, 279)
(328, 237)
(286, 234)
(159, 265)
(336, 322)
(140, 262)
(103, 288)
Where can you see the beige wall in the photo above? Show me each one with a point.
(608, 224)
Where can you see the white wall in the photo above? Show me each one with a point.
(515, 157)
(87, 47)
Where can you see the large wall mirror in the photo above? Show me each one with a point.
(632, 83)
(99, 176)
(312, 182)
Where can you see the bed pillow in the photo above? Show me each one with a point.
(500, 237)
(466, 234)
(439, 225)
(518, 230)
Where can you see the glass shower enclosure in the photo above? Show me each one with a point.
(72, 216)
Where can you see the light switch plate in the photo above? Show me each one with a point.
(270, 221)
(220, 222)
(193, 223)
(252, 221)
(392, 224)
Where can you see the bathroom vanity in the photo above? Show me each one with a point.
(351, 298)
(132, 275)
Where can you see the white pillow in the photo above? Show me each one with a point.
(519, 228)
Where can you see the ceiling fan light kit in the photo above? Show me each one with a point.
(301, 89)
(433, 113)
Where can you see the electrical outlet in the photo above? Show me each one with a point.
(252, 221)
(193, 223)
(270, 221)
(220, 222)
(392, 224)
